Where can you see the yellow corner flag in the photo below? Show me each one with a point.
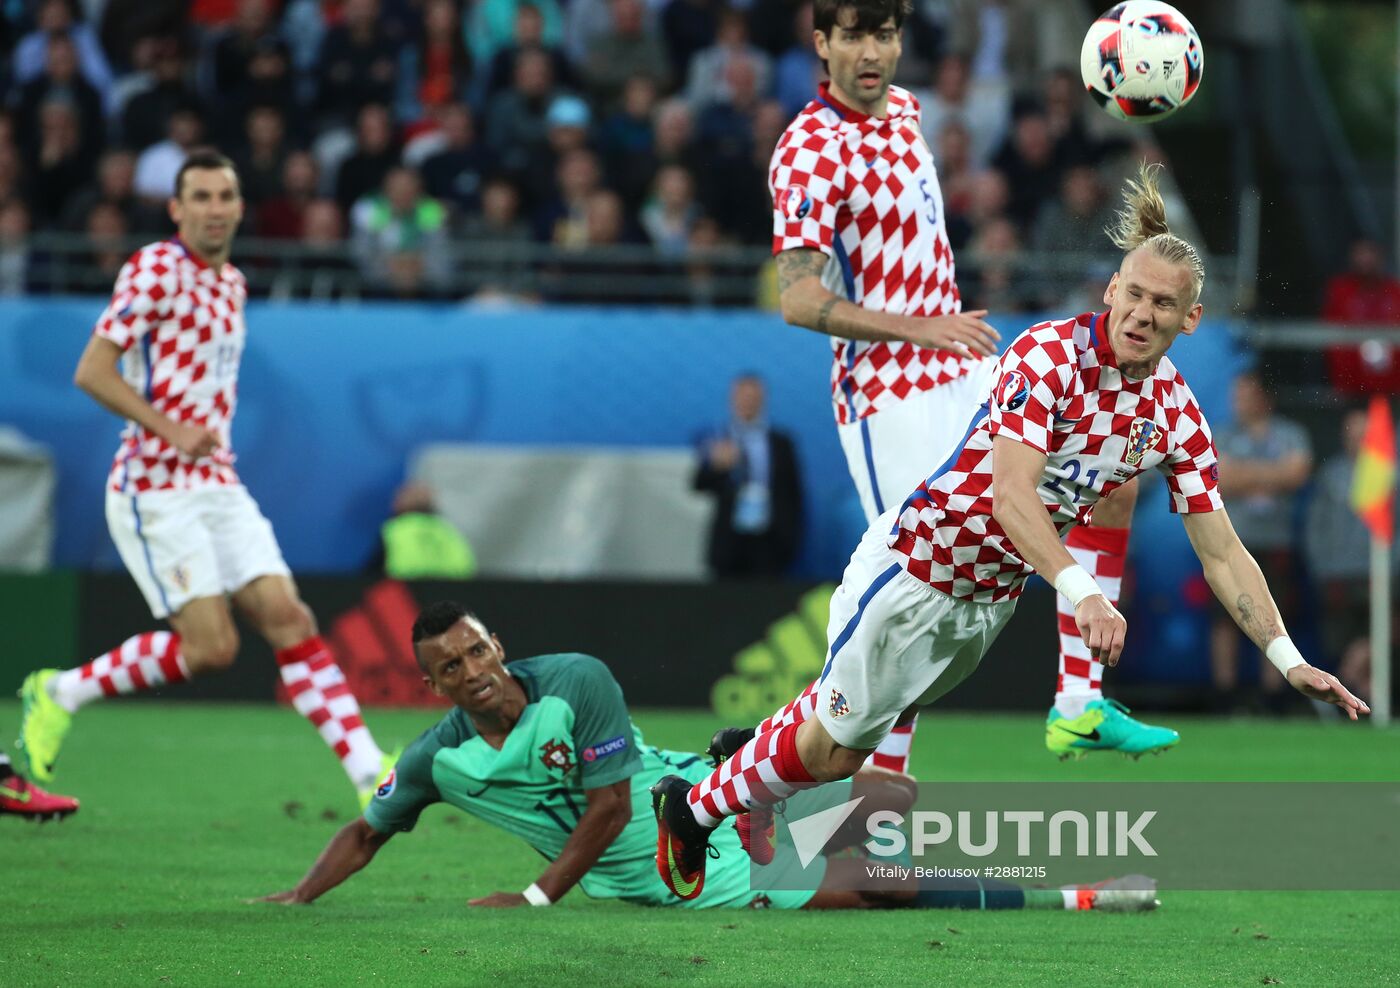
(1373, 484)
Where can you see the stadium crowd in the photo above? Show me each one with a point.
(379, 131)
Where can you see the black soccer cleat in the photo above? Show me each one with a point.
(726, 742)
(681, 842)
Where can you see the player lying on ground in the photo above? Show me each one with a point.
(164, 355)
(545, 750)
(863, 256)
(22, 798)
(1081, 406)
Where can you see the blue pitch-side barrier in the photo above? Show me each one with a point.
(333, 399)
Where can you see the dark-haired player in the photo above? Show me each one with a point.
(863, 256)
(545, 749)
(164, 355)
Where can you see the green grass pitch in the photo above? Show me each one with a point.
(188, 809)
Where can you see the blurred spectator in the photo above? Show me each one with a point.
(798, 71)
(492, 26)
(323, 240)
(108, 249)
(437, 70)
(60, 81)
(564, 219)
(116, 172)
(625, 141)
(1065, 107)
(455, 174)
(499, 222)
(12, 173)
(263, 156)
(727, 151)
(417, 543)
(706, 239)
(1264, 460)
(375, 153)
(674, 134)
(1028, 161)
(400, 237)
(585, 21)
(60, 18)
(146, 114)
(515, 118)
(566, 130)
(358, 63)
(59, 162)
(989, 197)
(996, 281)
(283, 216)
(15, 254)
(770, 23)
(671, 213)
(981, 104)
(1365, 294)
(1338, 548)
(752, 471)
(626, 51)
(158, 164)
(687, 26)
(1073, 224)
(323, 224)
(953, 152)
(711, 80)
(251, 64)
(529, 35)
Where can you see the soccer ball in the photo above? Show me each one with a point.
(1141, 60)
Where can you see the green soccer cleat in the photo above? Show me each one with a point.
(1104, 726)
(386, 768)
(42, 728)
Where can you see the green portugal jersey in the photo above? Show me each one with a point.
(574, 734)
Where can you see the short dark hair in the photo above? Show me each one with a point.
(870, 14)
(203, 159)
(437, 618)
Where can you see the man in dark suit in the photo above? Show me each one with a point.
(751, 468)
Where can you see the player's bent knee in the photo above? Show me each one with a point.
(210, 652)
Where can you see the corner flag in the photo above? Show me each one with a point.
(1373, 484)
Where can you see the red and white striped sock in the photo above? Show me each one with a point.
(893, 752)
(319, 693)
(142, 662)
(1101, 551)
(766, 770)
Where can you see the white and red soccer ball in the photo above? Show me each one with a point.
(1141, 60)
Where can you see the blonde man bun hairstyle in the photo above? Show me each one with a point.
(1142, 225)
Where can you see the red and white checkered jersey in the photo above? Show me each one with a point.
(180, 326)
(1058, 390)
(864, 192)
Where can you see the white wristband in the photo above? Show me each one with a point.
(535, 896)
(1284, 654)
(1075, 583)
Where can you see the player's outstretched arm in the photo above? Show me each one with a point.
(607, 815)
(97, 374)
(1239, 584)
(353, 847)
(1017, 470)
(808, 303)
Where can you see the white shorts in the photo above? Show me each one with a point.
(892, 452)
(894, 642)
(183, 545)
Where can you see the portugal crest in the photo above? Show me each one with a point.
(557, 756)
(1142, 436)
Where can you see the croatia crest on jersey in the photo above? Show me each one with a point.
(794, 202)
(1012, 391)
(839, 706)
(1142, 436)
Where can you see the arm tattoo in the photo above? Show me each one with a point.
(824, 314)
(1259, 626)
(798, 263)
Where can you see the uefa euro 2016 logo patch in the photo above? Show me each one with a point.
(1013, 391)
(839, 706)
(387, 786)
(1142, 436)
(794, 202)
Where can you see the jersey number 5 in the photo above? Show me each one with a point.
(932, 214)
